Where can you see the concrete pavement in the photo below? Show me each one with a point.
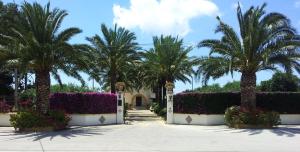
(154, 136)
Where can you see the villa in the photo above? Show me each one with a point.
(139, 99)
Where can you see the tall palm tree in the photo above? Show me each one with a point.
(115, 53)
(42, 47)
(9, 14)
(264, 42)
(167, 61)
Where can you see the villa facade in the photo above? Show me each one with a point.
(139, 99)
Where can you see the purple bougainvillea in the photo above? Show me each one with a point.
(84, 103)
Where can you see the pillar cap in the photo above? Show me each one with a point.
(169, 86)
(120, 86)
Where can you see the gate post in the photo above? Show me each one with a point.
(169, 86)
(120, 86)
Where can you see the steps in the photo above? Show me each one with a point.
(142, 115)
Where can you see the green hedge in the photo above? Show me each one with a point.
(216, 103)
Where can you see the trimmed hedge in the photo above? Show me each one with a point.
(217, 103)
(282, 102)
(84, 103)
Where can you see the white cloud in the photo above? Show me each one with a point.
(163, 16)
(297, 4)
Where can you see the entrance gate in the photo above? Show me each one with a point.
(120, 102)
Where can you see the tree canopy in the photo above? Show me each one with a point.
(115, 53)
(265, 41)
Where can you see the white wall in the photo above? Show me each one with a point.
(92, 119)
(195, 119)
(4, 120)
(76, 119)
(290, 119)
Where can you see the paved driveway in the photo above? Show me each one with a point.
(154, 136)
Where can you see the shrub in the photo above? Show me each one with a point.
(70, 88)
(152, 105)
(24, 120)
(163, 112)
(27, 119)
(28, 94)
(228, 87)
(156, 107)
(4, 107)
(237, 117)
(84, 103)
(125, 111)
(231, 116)
(217, 103)
(159, 110)
(281, 82)
(59, 119)
(232, 86)
(265, 85)
(210, 88)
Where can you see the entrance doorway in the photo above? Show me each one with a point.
(138, 101)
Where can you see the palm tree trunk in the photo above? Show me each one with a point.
(43, 90)
(113, 83)
(157, 91)
(161, 94)
(164, 95)
(25, 81)
(113, 77)
(16, 92)
(248, 94)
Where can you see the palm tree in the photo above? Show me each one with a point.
(41, 47)
(115, 53)
(9, 14)
(167, 61)
(265, 42)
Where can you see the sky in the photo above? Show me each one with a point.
(192, 20)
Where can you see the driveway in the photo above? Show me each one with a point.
(154, 135)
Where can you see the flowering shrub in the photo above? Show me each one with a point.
(4, 107)
(27, 119)
(84, 103)
(58, 118)
(217, 103)
(26, 104)
(33, 120)
(238, 117)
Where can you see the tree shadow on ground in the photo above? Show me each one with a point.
(279, 131)
(67, 133)
(289, 131)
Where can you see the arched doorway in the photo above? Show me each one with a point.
(139, 100)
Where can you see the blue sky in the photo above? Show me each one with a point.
(193, 20)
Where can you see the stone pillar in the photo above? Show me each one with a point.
(169, 86)
(120, 86)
